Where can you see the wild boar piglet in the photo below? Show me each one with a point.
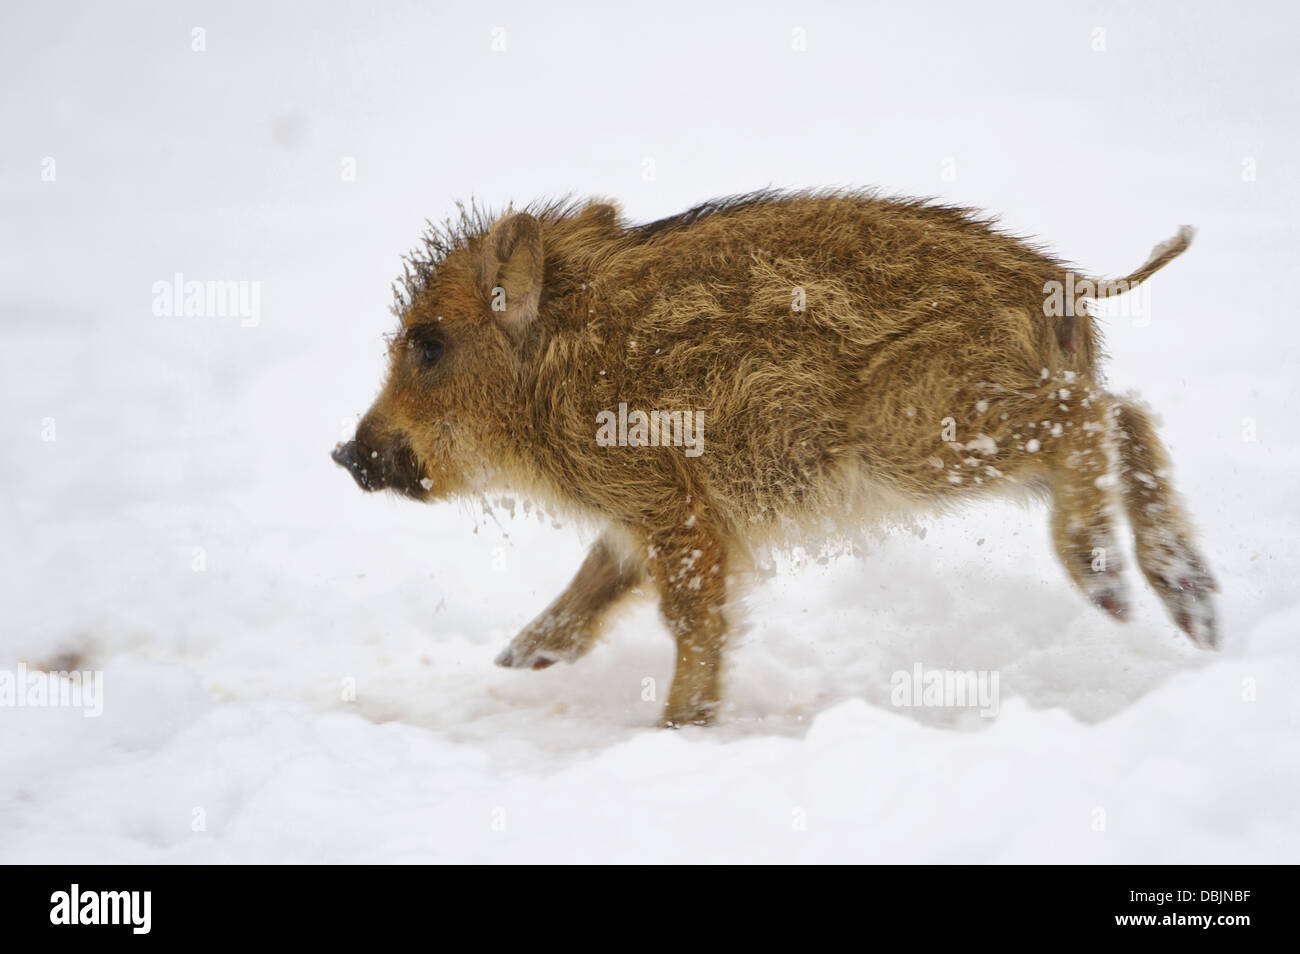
(763, 369)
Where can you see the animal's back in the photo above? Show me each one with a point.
(825, 336)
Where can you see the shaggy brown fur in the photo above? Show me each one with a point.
(851, 356)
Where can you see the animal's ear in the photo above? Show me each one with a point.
(599, 213)
(511, 271)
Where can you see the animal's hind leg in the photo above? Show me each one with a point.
(1077, 441)
(1057, 432)
(1061, 432)
(1166, 548)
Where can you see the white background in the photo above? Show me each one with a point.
(223, 687)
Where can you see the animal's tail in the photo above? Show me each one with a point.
(1160, 256)
(1067, 330)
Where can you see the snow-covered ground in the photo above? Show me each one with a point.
(304, 673)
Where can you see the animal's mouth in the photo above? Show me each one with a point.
(393, 468)
(354, 460)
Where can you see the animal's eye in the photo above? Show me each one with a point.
(430, 350)
(428, 347)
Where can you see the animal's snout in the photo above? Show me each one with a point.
(361, 462)
(381, 460)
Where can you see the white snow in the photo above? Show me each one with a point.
(296, 671)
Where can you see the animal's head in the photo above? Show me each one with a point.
(452, 388)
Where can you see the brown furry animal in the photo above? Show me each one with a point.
(792, 363)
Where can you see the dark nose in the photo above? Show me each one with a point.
(361, 463)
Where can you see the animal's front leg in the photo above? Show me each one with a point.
(689, 569)
(570, 626)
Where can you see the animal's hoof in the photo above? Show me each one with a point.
(518, 657)
(1114, 602)
(1193, 610)
(683, 719)
(1107, 591)
(1180, 578)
